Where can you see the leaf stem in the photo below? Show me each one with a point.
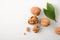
(55, 20)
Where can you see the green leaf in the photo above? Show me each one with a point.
(50, 7)
(50, 12)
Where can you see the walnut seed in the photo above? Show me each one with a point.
(27, 29)
(33, 20)
(36, 28)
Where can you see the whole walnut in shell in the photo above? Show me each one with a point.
(45, 22)
(36, 28)
(57, 30)
(33, 20)
(35, 11)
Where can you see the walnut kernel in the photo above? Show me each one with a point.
(33, 20)
(36, 28)
(27, 29)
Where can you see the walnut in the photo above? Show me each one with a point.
(57, 30)
(45, 22)
(35, 11)
(33, 20)
(36, 28)
(27, 29)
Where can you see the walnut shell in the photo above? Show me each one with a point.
(57, 30)
(33, 20)
(45, 22)
(35, 11)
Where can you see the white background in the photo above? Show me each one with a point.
(14, 15)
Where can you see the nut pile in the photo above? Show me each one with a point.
(33, 20)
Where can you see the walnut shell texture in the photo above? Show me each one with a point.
(35, 11)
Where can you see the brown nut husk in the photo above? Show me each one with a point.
(58, 30)
(36, 29)
(45, 22)
(35, 11)
(33, 20)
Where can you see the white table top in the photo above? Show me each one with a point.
(14, 15)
